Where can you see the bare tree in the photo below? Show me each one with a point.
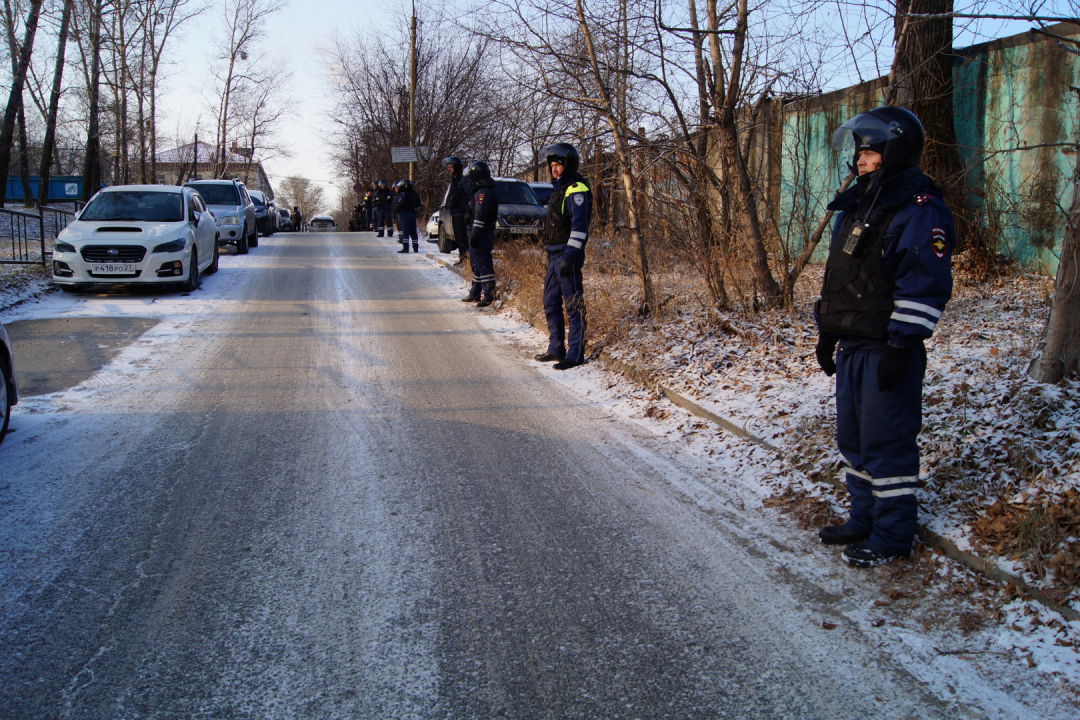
(244, 25)
(54, 105)
(14, 103)
(302, 193)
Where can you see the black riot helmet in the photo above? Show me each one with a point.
(382, 183)
(478, 170)
(893, 132)
(404, 185)
(565, 154)
(453, 160)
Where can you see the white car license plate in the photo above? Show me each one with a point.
(112, 268)
(522, 230)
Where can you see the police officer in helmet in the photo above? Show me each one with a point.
(887, 280)
(566, 231)
(406, 206)
(383, 209)
(484, 210)
(457, 203)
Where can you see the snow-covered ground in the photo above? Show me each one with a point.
(946, 622)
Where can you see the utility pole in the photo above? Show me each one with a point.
(412, 85)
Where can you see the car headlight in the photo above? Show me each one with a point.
(64, 247)
(229, 220)
(172, 247)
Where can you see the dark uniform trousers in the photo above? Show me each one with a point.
(384, 218)
(483, 267)
(407, 227)
(876, 432)
(569, 292)
(461, 234)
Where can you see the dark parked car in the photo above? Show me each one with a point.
(542, 191)
(263, 221)
(520, 213)
(284, 220)
(9, 389)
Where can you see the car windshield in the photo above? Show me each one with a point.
(219, 194)
(138, 205)
(515, 193)
(322, 223)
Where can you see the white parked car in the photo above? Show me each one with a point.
(137, 234)
(323, 223)
(432, 227)
(9, 389)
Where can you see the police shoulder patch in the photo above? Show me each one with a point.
(922, 199)
(579, 198)
(937, 241)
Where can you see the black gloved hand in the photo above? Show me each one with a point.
(826, 344)
(474, 241)
(564, 269)
(893, 367)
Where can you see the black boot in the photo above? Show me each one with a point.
(566, 364)
(404, 249)
(547, 357)
(840, 535)
(483, 303)
(416, 248)
(866, 554)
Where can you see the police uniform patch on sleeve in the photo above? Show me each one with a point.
(921, 199)
(480, 197)
(937, 241)
(579, 198)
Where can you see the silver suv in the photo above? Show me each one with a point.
(232, 208)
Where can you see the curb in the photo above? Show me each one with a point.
(928, 537)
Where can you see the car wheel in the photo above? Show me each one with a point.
(446, 243)
(242, 245)
(194, 278)
(213, 268)
(253, 241)
(5, 398)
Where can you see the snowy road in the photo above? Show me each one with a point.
(335, 492)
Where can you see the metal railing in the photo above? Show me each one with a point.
(27, 236)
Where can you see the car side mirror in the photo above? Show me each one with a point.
(195, 217)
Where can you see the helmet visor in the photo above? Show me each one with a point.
(871, 131)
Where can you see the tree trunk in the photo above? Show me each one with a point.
(648, 304)
(725, 106)
(924, 84)
(1061, 339)
(92, 158)
(15, 96)
(54, 106)
(24, 158)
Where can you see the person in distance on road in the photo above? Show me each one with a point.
(484, 210)
(566, 230)
(887, 280)
(406, 206)
(457, 203)
(297, 219)
(383, 208)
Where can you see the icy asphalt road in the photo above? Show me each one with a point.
(339, 495)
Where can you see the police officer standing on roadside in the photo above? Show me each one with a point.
(383, 210)
(457, 203)
(484, 210)
(566, 230)
(887, 280)
(406, 205)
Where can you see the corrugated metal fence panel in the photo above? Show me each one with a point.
(1007, 94)
(60, 188)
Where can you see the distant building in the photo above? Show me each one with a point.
(177, 166)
